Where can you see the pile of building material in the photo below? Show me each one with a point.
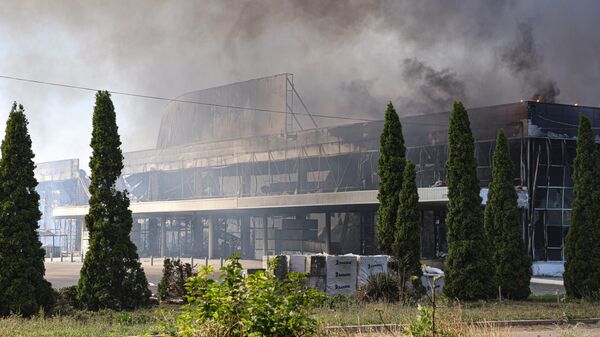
(341, 274)
(333, 274)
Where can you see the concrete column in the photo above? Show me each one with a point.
(154, 236)
(163, 236)
(327, 232)
(197, 235)
(265, 235)
(212, 238)
(247, 247)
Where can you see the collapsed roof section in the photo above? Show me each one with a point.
(257, 107)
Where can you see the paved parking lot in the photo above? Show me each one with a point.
(64, 274)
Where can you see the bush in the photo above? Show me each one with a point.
(380, 287)
(172, 283)
(66, 300)
(341, 302)
(259, 305)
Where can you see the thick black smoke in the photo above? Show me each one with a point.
(523, 58)
(435, 89)
(347, 56)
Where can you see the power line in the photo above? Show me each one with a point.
(122, 93)
(183, 101)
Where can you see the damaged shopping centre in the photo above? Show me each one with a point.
(272, 180)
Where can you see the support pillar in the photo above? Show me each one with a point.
(163, 236)
(197, 235)
(265, 235)
(247, 249)
(328, 232)
(154, 238)
(212, 238)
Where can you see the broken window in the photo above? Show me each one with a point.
(541, 178)
(554, 254)
(556, 151)
(568, 176)
(555, 197)
(554, 235)
(553, 218)
(566, 218)
(556, 175)
(568, 198)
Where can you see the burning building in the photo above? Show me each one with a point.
(270, 180)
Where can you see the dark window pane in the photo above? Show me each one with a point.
(554, 254)
(554, 218)
(484, 153)
(571, 150)
(541, 179)
(540, 198)
(556, 152)
(565, 231)
(568, 203)
(539, 242)
(566, 218)
(554, 236)
(555, 198)
(568, 176)
(515, 155)
(484, 175)
(556, 175)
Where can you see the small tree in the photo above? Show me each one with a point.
(407, 244)
(582, 247)
(111, 276)
(469, 269)
(23, 289)
(257, 305)
(513, 265)
(390, 169)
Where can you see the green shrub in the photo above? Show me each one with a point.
(257, 305)
(66, 300)
(381, 287)
(172, 283)
(340, 302)
(165, 279)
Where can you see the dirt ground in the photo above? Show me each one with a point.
(537, 331)
(551, 331)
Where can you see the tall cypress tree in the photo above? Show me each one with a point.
(111, 276)
(469, 269)
(582, 248)
(513, 265)
(407, 244)
(23, 289)
(390, 169)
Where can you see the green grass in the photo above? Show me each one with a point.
(84, 324)
(344, 312)
(352, 312)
